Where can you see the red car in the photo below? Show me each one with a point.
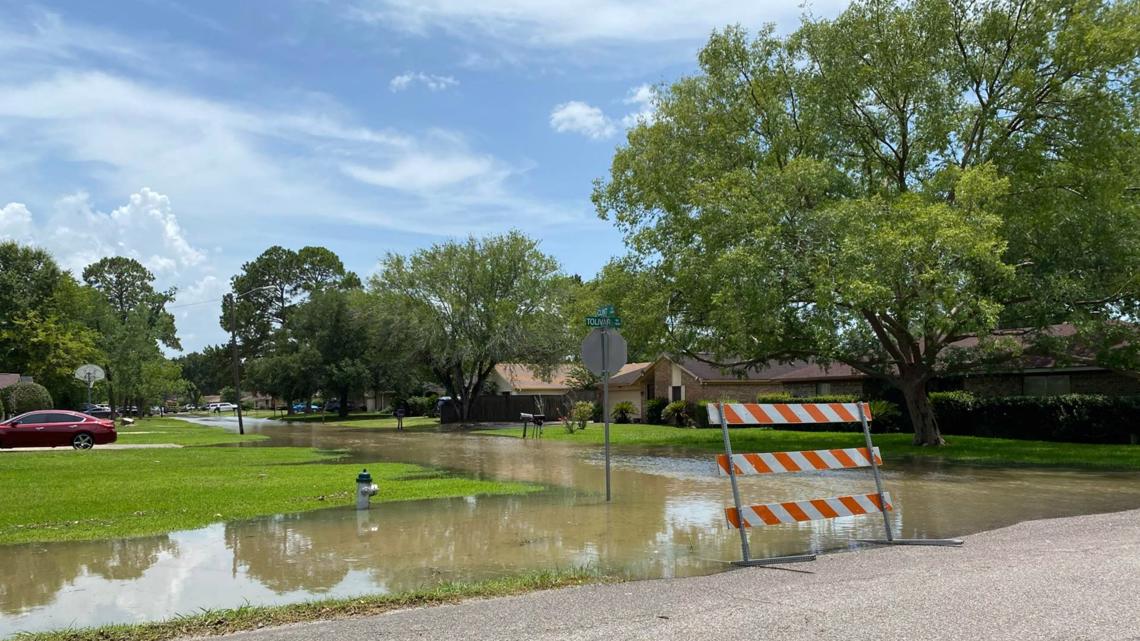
(54, 428)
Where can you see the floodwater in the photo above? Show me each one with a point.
(666, 520)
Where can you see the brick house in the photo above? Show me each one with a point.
(687, 378)
(515, 379)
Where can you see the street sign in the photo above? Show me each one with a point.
(606, 310)
(603, 321)
(90, 373)
(616, 352)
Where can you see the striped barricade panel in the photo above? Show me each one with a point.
(780, 462)
(787, 413)
(813, 510)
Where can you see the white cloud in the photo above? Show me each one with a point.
(418, 172)
(642, 97)
(578, 117)
(431, 81)
(571, 22)
(145, 228)
(16, 223)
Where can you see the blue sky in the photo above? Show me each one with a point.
(192, 135)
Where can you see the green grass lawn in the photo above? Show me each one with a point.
(965, 449)
(171, 430)
(68, 495)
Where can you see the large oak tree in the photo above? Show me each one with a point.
(871, 189)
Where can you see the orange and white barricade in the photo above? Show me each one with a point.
(732, 465)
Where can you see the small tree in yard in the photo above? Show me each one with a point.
(623, 411)
(471, 305)
(581, 414)
(872, 189)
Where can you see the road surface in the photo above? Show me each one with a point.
(1073, 579)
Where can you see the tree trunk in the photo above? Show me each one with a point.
(926, 431)
(342, 411)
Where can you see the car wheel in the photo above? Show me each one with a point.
(83, 441)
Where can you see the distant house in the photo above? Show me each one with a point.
(687, 378)
(514, 379)
(9, 379)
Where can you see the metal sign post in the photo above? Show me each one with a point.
(604, 352)
(606, 404)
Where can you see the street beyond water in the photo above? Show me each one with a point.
(666, 520)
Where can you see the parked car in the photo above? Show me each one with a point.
(55, 428)
(300, 407)
(95, 409)
(221, 407)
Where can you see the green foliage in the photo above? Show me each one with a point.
(42, 329)
(886, 416)
(819, 398)
(598, 413)
(1072, 418)
(623, 411)
(228, 394)
(681, 413)
(25, 397)
(582, 413)
(468, 306)
(654, 408)
(421, 405)
(870, 189)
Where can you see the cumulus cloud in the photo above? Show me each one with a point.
(431, 81)
(77, 234)
(16, 223)
(581, 118)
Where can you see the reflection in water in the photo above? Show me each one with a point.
(666, 520)
(34, 574)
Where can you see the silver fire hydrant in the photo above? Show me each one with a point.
(365, 489)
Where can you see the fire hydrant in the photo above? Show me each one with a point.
(365, 489)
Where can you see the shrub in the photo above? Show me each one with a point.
(581, 414)
(788, 398)
(25, 397)
(886, 416)
(598, 413)
(653, 409)
(623, 411)
(1076, 418)
(680, 413)
(421, 405)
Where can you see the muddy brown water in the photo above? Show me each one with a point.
(666, 520)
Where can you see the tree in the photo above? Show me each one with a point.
(471, 305)
(288, 278)
(333, 328)
(41, 332)
(872, 189)
(132, 321)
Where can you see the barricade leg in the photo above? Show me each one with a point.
(744, 551)
(890, 540)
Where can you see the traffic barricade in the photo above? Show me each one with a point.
(732, 465)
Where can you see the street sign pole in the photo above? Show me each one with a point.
(606, 403)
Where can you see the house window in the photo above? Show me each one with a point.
(678, 393)
(649, 395)
(1046, 385)
(822, 389)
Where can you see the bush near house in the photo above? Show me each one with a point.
(653, 409)
(25, 397)
(681, 413)
(1074, 418)
(623, 411)
(582, 413)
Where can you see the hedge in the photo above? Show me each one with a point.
(653, 409)
(25, 397)
(1074, 418)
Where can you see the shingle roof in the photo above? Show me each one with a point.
(9, 379)
(522, 377)
(774, 371)
(629, 373)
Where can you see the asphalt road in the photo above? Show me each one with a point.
(1073, 579)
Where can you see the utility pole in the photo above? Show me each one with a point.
(237, 369)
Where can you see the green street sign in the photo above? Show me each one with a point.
(605, 310)
(603, 321)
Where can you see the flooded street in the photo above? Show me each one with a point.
(666, 520)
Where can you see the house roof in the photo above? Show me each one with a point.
(523, 377)
(9, 379)
(629, 373)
